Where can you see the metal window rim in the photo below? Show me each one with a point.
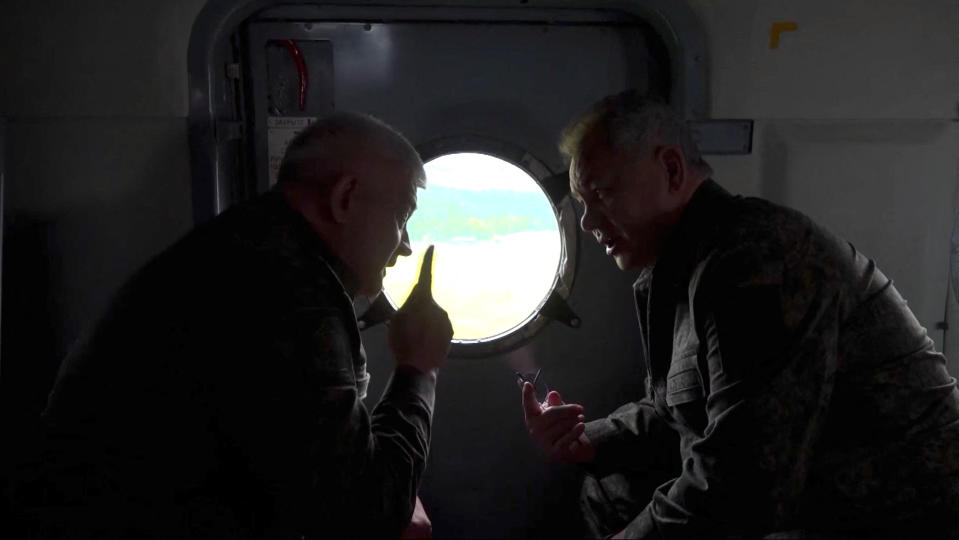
(565, 215)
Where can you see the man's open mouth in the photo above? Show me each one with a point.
(612, 244)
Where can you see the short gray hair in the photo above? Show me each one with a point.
(332, 144)
(631, 118)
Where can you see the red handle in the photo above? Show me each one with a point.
(297, 56)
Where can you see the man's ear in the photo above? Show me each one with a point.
(342, 200)
(674, 164)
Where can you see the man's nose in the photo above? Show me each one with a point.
(404, 249)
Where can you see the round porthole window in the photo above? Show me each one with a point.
(499, 246)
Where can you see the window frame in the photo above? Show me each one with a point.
(566, 220)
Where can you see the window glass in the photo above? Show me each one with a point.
(497, 243)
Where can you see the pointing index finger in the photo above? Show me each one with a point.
(426, 272)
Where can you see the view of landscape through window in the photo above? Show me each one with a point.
(497, 244)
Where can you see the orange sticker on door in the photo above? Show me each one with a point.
(778, 28)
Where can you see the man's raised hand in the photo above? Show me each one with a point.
(420, 526)
(556, 428)
(420, 332)
(425, 282)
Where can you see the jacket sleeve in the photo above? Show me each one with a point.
(632, 439)
(771, 354)
(326, 465)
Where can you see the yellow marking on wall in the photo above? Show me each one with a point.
(778, 28)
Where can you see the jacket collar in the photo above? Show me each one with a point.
(293, 224)
(659, 287)
(699, 225)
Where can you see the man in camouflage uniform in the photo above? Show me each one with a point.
(790, 392)
(221, 394)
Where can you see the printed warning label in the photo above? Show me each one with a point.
(280, 131)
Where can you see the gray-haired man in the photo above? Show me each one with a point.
(221, 394)
(790, 391)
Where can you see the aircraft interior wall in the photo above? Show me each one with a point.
(98, 175)
(855, 123)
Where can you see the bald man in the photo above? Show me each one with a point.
(220, 396)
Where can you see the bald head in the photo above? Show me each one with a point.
(340, 143)
(354, 179)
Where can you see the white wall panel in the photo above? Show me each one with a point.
(95, 57)
(854, 59)
(887, 187)
(852, 127)
(108, 193)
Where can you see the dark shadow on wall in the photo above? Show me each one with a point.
(29, 340)
(82, 215)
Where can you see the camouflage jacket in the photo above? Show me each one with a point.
(804, 393)
(220, 396)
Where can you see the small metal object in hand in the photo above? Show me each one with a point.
(540, 389)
